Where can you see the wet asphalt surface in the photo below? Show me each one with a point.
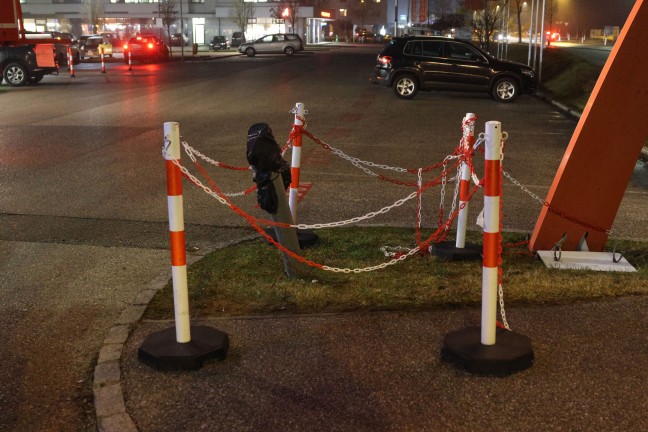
(83, 230)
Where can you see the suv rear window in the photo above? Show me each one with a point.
(424, 48)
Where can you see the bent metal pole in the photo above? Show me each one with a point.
(492, 187)
(295, 165)
(467, 142)
(177, 233)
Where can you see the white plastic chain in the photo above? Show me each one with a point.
(356, 219)
(500, 294)
(456, 193)
(192, 153)
(361, 164)
(480, 140)
(372, 268)
(500, 289)
(222, 200)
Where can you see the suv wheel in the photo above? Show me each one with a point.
(15, 74)
(406, 86)
(250, 52)
(289, 50)
(505, 90)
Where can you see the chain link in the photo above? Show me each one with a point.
(559, 213)
(500, 295)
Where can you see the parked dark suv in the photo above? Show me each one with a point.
(413, 63)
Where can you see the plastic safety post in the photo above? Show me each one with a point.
(295, 165)
(492, 182)
(70, 62)
(177, 233)
(464, 188)
(130, 63)
(103, 62)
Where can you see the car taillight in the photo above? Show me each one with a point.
(125, 46)
(386, 60)
(150, 45)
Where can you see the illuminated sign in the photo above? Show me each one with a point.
(325, 14)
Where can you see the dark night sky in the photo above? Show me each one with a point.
(595, 13)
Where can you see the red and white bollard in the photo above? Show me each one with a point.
(305, 237)
(183, 347)
(459, 250)
(130, 63)
(487, 350)
(103, 62)
(295, 165)
(70, 62)
(492, 188)
(464, 182)
(176, 232)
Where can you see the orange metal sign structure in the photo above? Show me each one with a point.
(590, 183)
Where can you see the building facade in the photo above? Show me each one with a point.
(200, 20)
(316, 20)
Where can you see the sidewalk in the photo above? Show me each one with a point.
(383, 372)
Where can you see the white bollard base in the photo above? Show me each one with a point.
(511, 353)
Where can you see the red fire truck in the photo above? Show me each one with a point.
(22, 61)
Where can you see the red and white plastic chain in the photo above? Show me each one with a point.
(299, 129)
(216, 193)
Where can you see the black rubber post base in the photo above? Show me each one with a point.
(163, 352)
(449, 250)
(306, 238)
(511, 353)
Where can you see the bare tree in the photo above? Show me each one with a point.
(95, 10)
(551, 12)
(168, 12)
(518, 11)
(440, 8)
(363, 10)
(486, 21)
(287, 11)
(242, 13)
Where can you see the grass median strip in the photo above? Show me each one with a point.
(248, 279)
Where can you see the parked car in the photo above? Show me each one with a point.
(26, 64)
(114, 40)
(219, 43)
(364, 35)
(146, 48)
(93, 46)
(238, 38)
(179, 39)
(287, 43)
(61, 43)
(413, 63)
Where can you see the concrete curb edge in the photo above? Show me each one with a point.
(110, 408)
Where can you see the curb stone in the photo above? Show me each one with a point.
(110, 409)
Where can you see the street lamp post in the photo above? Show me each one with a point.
(181, 33)
(395, 18)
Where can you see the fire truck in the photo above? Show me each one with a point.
(23, 61)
